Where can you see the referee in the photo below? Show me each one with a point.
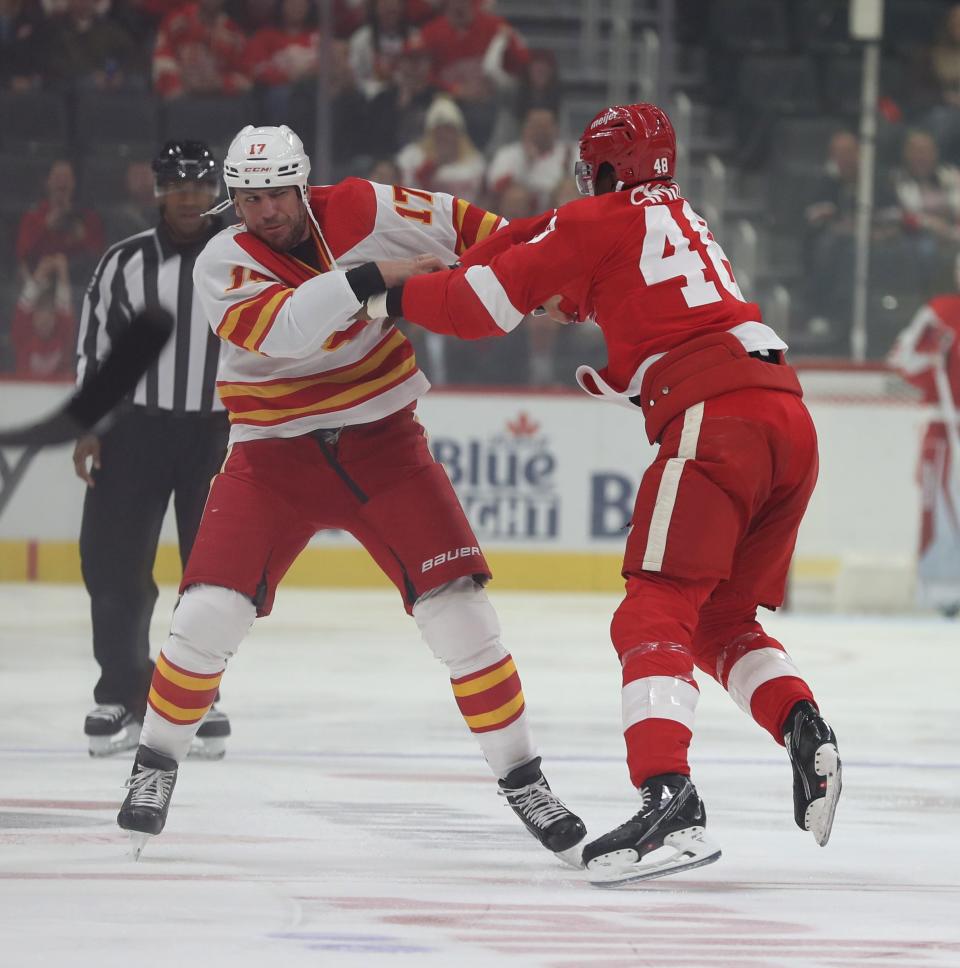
(169, 439)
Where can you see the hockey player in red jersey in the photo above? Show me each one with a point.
(323, 435)
(927, 353)
(717, 513)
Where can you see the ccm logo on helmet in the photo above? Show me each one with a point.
(452, 555)
(254, 168)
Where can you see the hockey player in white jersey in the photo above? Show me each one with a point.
(323, 435)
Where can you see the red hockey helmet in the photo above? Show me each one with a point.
(636, 139)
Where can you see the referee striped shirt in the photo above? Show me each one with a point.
(147, 270)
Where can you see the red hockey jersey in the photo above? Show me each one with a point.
(932, 336)
(642, 264)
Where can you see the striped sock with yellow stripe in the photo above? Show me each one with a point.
(179, 696)
(490, 698)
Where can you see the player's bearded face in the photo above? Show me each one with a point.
(278, 216)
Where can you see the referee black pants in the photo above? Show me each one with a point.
(146, 457)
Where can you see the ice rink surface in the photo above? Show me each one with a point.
(354, 824)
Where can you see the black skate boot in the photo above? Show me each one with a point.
(817, 775)
(210, 742)
(543, 813)
(144, 810)
(665, 837)
(111, 728)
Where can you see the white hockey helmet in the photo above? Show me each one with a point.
(267, 157)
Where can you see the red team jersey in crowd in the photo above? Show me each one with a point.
(641, 263)
(456, 54)
(296, 360)
(186, 40)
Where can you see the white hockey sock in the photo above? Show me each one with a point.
(460, 625)
(208, 625)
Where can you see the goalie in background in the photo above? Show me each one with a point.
(927, 354)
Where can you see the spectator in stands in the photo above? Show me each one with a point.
(375, 47)
(943, 69)
(22, 30)
(566, 191)
(253, 15)
(516, 201)
(398, 113)
(55, 225)
(385, 171)
(138, 211)
(829, 239)
(355, 139)
(539, 84)
(281, 57)
(199, 50)
(348, 16)
(90, 49)
(444, 159)
(44, 328)
(929, 195)
(538, 161)
(475, 56)
(142, 18)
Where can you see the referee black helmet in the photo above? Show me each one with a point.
(185, 163)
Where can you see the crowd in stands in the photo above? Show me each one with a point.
(790, 76)
(446, 95)
(439, 94)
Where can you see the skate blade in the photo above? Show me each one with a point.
(127, 739)
(207, 748)
(138, 841)
(818, 818)
(572, 856)
(692, 848)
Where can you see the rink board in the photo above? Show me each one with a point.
(547, 481)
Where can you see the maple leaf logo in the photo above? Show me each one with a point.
(523, 426)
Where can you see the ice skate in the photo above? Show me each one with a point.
(210, 743)
(667, 836)
(543, 813)
(150, 785)
(812, 748)
(111, 728)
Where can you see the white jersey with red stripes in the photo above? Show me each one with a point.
(294, 356)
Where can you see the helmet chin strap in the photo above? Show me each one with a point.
(220, 207)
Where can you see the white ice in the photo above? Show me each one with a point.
(354, 824)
